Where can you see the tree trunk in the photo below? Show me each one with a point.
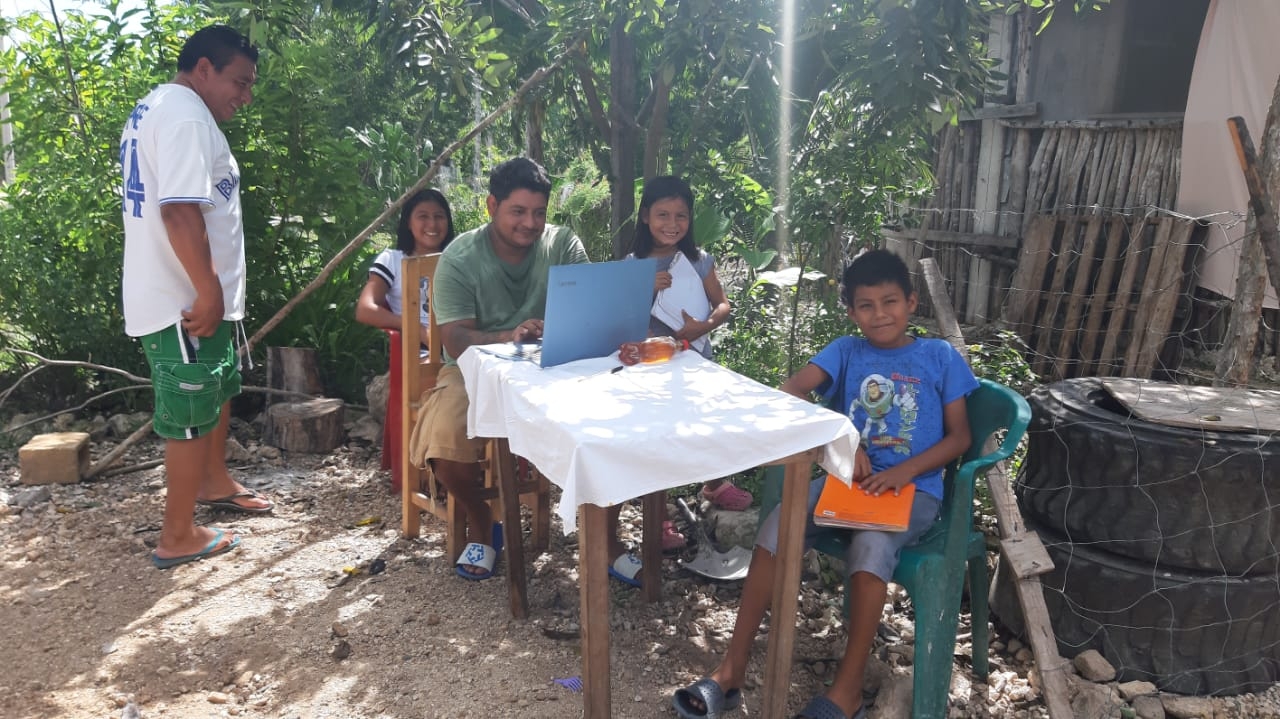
(314, 426)
(1235, 360)
(622, 139)
(658, 120)
(295, 369)
(535, 113)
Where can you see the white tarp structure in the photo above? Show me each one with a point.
(1235, 73)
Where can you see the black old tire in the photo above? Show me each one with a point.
(1187, 633)
(1181, 498)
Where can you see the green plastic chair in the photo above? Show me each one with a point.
(933, 571)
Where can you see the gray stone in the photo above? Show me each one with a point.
(28, 497)
(1184, 707)
(376, 395)
(98, 428)
(236, 453)
(21, 436)
(1130, 690)
(733, 528)
(1093, 666)
(1093, 700)
(123, 425)
(366, 428)
(1148, 708)
(961, 688)
(875, 675)
(895, 697)
(19, 419)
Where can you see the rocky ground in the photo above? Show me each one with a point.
(297, 623)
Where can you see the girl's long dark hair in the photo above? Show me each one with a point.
(404, 238)
(661, 188)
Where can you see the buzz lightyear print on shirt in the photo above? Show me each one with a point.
(879, 397)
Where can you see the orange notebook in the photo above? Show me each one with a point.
(852, 508)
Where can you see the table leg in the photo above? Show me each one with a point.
(593, 583)
(786, 590)
(503, 466)
(651, 546)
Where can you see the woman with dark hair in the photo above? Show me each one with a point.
(426, 226)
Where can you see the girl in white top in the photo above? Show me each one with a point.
(426, 226)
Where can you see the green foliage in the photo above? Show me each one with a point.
(1001, 359)
(334, 133)
(781, 319)
(582, 199)
(60, 236)
(1044, 9)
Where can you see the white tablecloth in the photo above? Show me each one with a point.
(606, 437)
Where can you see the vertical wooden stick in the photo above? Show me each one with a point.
(1259, 198)
(1053, 668)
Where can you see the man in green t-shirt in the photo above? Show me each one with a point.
(490, 286)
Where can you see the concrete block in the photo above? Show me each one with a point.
(57, 458)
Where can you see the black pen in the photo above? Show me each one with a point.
(613, 370)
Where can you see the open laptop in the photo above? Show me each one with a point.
(593, 308)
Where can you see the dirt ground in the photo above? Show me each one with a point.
(294, 624)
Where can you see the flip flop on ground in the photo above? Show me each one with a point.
(821, 707)
(626, 569)
(708, 693)
(212, 550)
(230, 504)
(484, 556)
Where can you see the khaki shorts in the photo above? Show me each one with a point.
(192, 378)
(441, 428)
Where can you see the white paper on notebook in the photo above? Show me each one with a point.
(685, 293)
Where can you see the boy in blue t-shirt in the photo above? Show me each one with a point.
(905, 395)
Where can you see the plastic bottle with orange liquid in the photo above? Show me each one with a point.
(652, 351)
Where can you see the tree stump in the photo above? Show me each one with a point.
(313, 426)
(296, 369)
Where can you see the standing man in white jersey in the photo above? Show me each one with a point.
(184, 278)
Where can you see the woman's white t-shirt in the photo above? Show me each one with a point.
(387, 267)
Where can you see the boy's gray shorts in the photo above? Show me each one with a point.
(870, 551)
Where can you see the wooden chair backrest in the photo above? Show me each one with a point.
(413, 270)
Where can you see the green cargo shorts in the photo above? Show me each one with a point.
(192, 378)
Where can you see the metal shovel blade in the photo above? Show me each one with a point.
(724, 566)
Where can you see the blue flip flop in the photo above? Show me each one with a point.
(821, 707)
(714, 700)
(212, 550)
(626, 569)
(480, 555)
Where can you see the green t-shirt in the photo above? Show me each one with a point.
(472, 283)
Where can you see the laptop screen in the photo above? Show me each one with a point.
(593, 308)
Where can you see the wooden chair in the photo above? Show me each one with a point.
(419, 490)
(391, 421)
